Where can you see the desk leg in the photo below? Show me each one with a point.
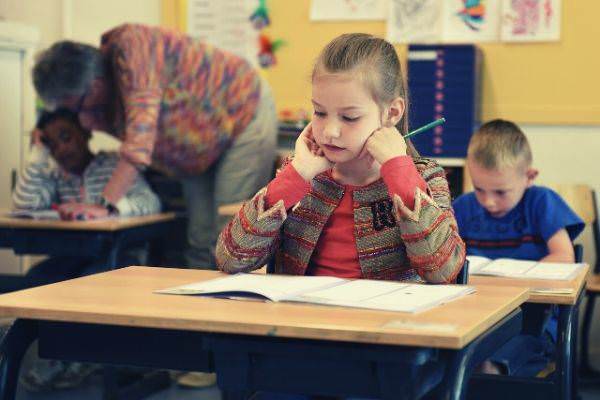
(463, 362)
(14, 345)
(566, 357)
(586, 371)
(113, 254)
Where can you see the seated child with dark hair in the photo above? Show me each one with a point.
(63, 171)
(507, 216)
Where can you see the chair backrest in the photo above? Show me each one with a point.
(583, 200)
(596, 232)
(580, 198)
(578, 251)
(463, 276)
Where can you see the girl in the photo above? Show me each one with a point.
(356, 200)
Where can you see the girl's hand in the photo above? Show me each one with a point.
(384, 144)
(309, 159)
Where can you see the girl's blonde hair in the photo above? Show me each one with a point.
(377, 63)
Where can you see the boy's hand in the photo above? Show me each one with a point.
(309, 159)
(81, 211)
(384, 144)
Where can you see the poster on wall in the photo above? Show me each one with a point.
(471, 21)
(341, 10)
(225, 24)
(414, 21)
(530, 20)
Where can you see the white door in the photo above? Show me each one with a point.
(11, 77)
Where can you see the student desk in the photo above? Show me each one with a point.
(114, 317)
(103, 237)
(563, 384)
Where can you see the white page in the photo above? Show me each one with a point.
(507, 267)
(476, 263)
(273, 287)
(357, 290)
(556, 271)
(417, 297)
(385, 295)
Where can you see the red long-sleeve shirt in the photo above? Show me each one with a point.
(336, 253)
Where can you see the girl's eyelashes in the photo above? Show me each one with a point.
(346, 118)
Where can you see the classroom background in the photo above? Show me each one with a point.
(549, 89)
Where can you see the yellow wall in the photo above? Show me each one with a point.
(547, 83)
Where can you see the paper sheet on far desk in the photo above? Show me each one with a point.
(35, 214)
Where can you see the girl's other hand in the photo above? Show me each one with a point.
(309, 160)
(385, 143)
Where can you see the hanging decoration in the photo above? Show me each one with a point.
(266, 46)
(260, 17)
(267, 49)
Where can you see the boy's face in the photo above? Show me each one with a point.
(500, 190)
(68, 144)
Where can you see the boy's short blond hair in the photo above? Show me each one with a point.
(498, 144)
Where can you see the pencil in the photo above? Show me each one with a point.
(425, 127)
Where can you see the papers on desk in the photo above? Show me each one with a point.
(511, 268)
(34, 214)
(358, 293)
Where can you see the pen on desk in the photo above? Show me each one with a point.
(425, 127)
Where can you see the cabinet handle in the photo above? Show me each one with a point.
(13, 179)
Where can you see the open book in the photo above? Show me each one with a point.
(34, 214)
(512, 268)
(358, 293)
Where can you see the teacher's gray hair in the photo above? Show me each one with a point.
(66, 69)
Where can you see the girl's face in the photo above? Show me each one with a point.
(344, 117)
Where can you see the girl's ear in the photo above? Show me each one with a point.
(395, 111)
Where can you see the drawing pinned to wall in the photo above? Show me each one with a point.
(340, 10)
(531, 20)
(471, 21)
(414, 21)
(225, 24)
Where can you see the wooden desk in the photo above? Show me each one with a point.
(103, 238)
(104, 225)
(563, 383)
(577, 285)
(127, 323)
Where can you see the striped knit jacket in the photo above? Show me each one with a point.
(42, 183)
(182, 101)
(393, 242)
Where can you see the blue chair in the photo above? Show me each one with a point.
(586, 371)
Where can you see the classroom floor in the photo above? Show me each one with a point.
(92, 391)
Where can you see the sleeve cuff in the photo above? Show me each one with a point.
(402, 178)
(288, 186)
(124, 207)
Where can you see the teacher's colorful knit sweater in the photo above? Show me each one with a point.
(179, 102)
(418, 244)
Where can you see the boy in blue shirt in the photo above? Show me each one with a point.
(507, 216)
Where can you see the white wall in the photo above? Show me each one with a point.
(80, 20)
